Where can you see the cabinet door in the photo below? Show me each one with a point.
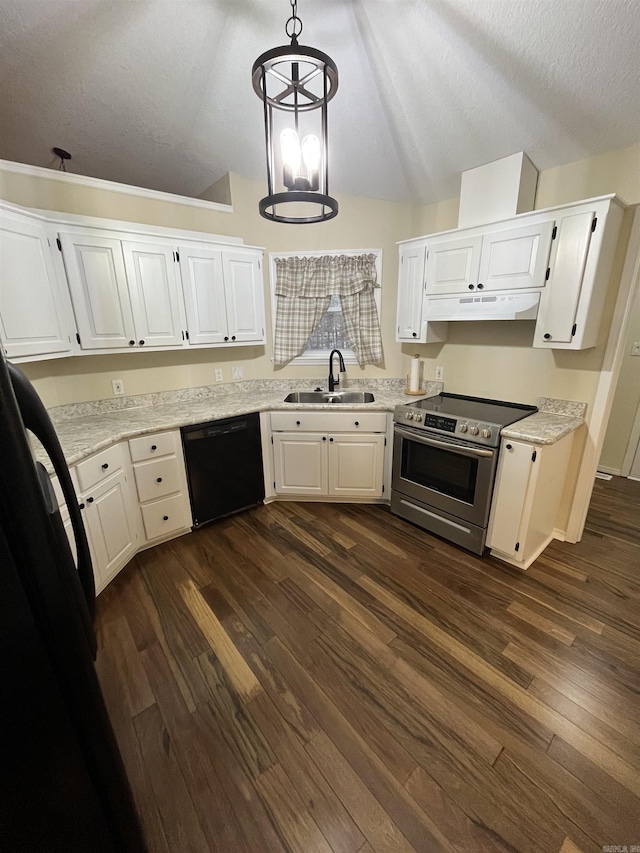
(559, 305)
(99, 290)
(515, 258)
(300, 463)
(203, 285)
(155, 294)
(355, 465)
(453, 265)
(510, 495)
(107, 517)
(32, 313)
(410, 292)
(244, 294)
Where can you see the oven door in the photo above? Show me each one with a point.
(446, 474)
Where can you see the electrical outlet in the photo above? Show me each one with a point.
(237, 372)
(118, 386)
(439, 373)
(219, 376)
(635, 349)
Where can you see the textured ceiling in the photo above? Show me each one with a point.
(157, 93)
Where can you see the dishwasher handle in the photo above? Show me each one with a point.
(214, 430)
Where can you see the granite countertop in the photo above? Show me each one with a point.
(554, 420)
(85, 428)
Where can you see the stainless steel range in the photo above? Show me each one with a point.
(445, 453)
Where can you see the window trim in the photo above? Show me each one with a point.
(322, 356)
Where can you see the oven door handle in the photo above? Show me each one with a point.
(462, 451)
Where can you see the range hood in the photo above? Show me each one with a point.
(499, 306)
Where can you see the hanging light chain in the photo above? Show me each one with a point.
(293, 27)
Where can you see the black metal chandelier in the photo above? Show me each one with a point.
(295, 83)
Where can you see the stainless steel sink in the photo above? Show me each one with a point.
(330, 397)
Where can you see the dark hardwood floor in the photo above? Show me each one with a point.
(326, 677)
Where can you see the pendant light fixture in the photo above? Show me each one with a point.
(295, 83)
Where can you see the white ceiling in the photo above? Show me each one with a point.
(158, 93)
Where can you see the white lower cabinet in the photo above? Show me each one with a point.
(326, 454)
(109, 511)
(161, 485)
(529, 484)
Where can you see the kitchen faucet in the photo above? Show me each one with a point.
(333, 382)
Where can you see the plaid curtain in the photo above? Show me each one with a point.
(304, 287)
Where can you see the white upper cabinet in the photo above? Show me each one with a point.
(99, 290)
(571, 307)
(34, 309)
(224, 295)
(506, 259)
(155, 292)
(515, 258)
(453, 265)
(410, 292)
(203, 295)
(244, 296)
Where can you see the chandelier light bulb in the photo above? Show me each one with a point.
(311, 157)
(290, 148)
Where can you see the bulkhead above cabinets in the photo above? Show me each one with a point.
(70, 289)
(552, 266)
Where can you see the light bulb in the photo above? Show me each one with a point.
(311, 157)
(290, 148)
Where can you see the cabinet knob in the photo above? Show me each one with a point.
(324, 437)
(233, 337)
(509, 446)
(547, 337)
(481, 287)
(80, 506)
(226, 337)
(471, 287)
(415, 334)
(105, 466)
(159, 480)
(154, 446)
(132, 343)
(357, 423)
(297, 423)
(141, 343)
(331, 439)
(165, 518)
(89, 500)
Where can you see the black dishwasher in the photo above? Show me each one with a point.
(224, 466)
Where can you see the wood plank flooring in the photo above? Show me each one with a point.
(326, 678)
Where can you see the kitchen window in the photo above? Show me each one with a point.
(331, 332)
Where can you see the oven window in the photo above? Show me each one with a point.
(441, 470)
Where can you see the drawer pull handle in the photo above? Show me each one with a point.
(105, 465)
(159, 480)
(165, 518)
(154, 446)
(89, 500)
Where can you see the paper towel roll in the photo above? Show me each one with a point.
(414, 377)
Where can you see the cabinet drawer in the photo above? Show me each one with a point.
(329, 421)
(150, 446)
(157, 478)
(97, 468)
(165, 516)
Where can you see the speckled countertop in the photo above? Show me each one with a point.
(85, 428)
(554, 420)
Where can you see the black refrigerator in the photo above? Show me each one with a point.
(63, 786)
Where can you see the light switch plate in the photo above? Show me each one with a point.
(635, 349)
(218, 374)
(237, 372)
(439, 373)
(118, 386)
